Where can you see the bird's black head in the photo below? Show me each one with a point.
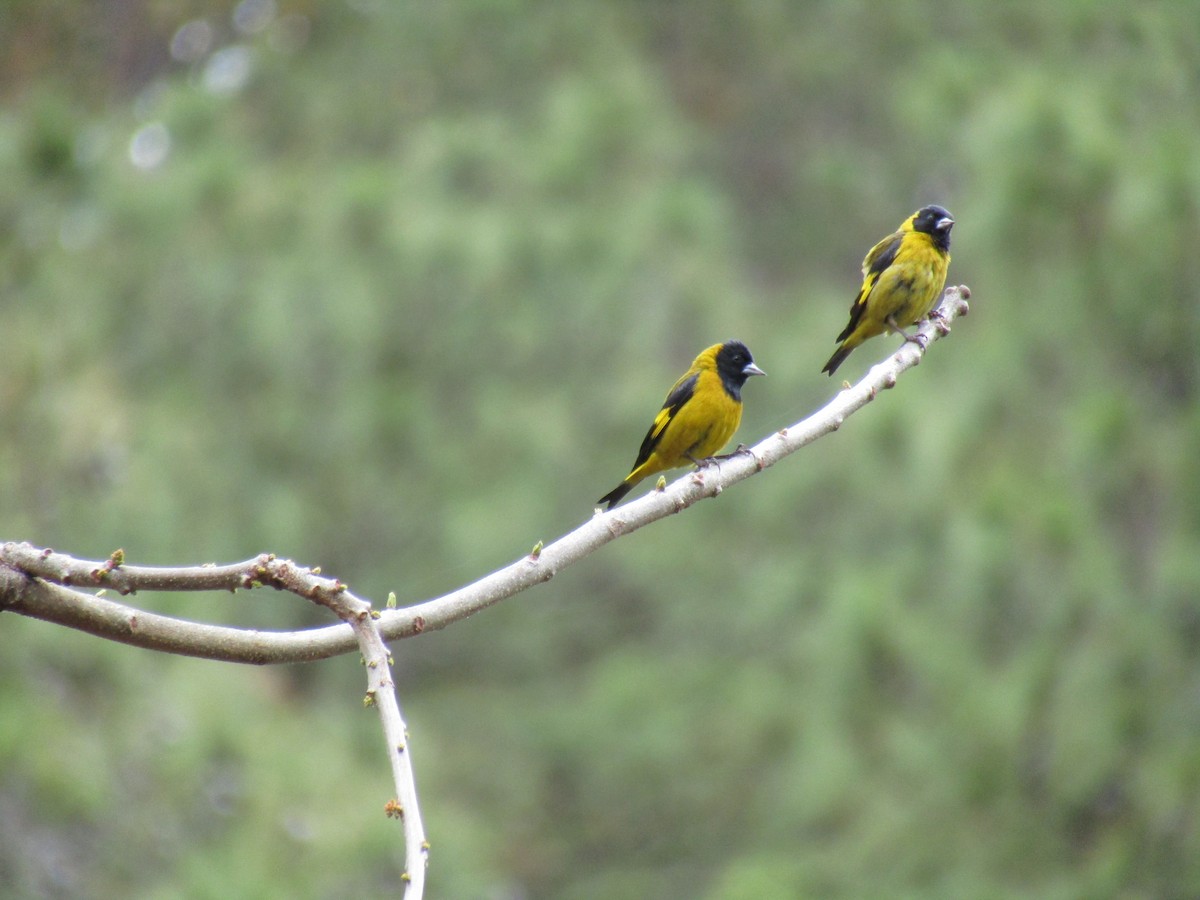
(936, 222)
(735, 365)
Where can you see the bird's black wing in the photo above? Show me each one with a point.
(881, 256)
(680, 394)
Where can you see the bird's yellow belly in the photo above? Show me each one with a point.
(720, 422)
(911, 291)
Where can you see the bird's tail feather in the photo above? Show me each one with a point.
(613, 497)
(837, 359)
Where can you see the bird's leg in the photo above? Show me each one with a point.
(917, 339)
(739, 450)
(701, 463)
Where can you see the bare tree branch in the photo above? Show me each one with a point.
(44, 584)
(545, 562)
(25, 571)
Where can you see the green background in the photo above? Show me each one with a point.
(394, 289)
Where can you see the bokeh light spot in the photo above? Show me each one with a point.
(149, 146)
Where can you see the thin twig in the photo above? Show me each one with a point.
(381, 693)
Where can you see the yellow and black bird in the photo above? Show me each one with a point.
(903, 277)
(699, 416)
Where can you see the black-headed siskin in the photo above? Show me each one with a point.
(699, 416)
(903, 277)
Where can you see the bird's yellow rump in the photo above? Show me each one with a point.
(699, 416)
(903, 277)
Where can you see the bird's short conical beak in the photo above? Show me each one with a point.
(752, 369)
(944, 223)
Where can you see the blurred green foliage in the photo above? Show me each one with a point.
(393, 288)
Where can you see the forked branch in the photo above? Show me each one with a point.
(30, 578)
(58, 588)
